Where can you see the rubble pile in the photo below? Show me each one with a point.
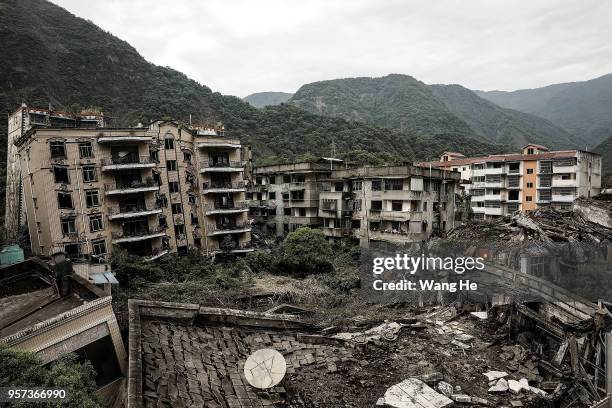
(544, 225)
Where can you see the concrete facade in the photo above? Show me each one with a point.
(150, 190)
(387, 203)
(499, 185)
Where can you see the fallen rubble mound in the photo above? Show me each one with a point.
(545, 225)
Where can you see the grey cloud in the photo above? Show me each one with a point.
(240, 46)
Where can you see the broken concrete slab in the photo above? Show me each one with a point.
(500, 386)
(461, 345)
(431, 378)
(538, 392)
(495, 375)
(480, 401)
(516, 387)
(445, 388)
(465, 338)
(461, 398)
(414, 393)
(480, 315)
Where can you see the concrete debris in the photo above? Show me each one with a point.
(414, 393)
(547, 225)
(480, 401)
(445, 388)
(431, 378)
(461, 345)
(516, 403)
(500, 386)
(464, 337)
(495, 375)
(386, 331)
(461, 398)
(538, 392)
(516, 387)
(595, 211)
(480, 315)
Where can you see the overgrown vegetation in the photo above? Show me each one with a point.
(25, 370)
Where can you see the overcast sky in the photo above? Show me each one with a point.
(243, 46)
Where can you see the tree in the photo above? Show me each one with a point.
(305, 251)
(23, 369)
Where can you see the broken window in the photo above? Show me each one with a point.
(168, 144)
(64, 200)
(192, 199)
(287, 211)
(61, 174)
(394, 184)
(95, 222)
(89, 174)
(99, 247)
(92, 198)
(174, 186)
(72, 250)
(179, 229)
(85, 150)
(171, 165)
(177, 208)
(396, 205)
(339, 186)
(272, 195)
(272, 180)
(376, 205)
(58, 148)
(187, 157)
(376, 185)
(357, 185)
(68, 226)
(286, 178)
(299, 178)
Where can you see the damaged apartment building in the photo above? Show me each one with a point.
(83, 187)
(371, 203)
(501, 184)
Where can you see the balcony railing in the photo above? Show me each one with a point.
(113, 212)
(129, 159)
(216, 185)
(137, 233)
(214, 164)
(133, 184)
(241, 205)
(211, 229)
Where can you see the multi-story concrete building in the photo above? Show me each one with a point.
(398, 204)
(150, 190)
(285, 197)
(386, 203)
(499, 185)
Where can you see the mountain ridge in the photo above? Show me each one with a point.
(403, 102)
(270, 98)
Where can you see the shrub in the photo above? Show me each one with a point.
(305, 251)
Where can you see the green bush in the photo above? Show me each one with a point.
(305, 251)
(25, 370)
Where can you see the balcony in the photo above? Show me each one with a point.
(221, 167)
(134, 187)
(125, 139)
(215, 230)
(131, 212)
(218, 144)
(559, 198)
(242, 248)
(557, 182)
(217, 187)
(139, 235)
(127, 163)
(261, 203)
(226, 209)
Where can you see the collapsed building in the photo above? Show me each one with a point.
(47, 310)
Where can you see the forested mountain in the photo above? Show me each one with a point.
(52, 56)
(500, 125)
(262, 99)
(582, 108)
(402, 102)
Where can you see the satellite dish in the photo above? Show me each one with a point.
(265, 368)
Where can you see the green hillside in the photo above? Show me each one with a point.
(582, 108)
(52, 56)
(605, 149)
(262, 99)
(402, 102)
(500, 125)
